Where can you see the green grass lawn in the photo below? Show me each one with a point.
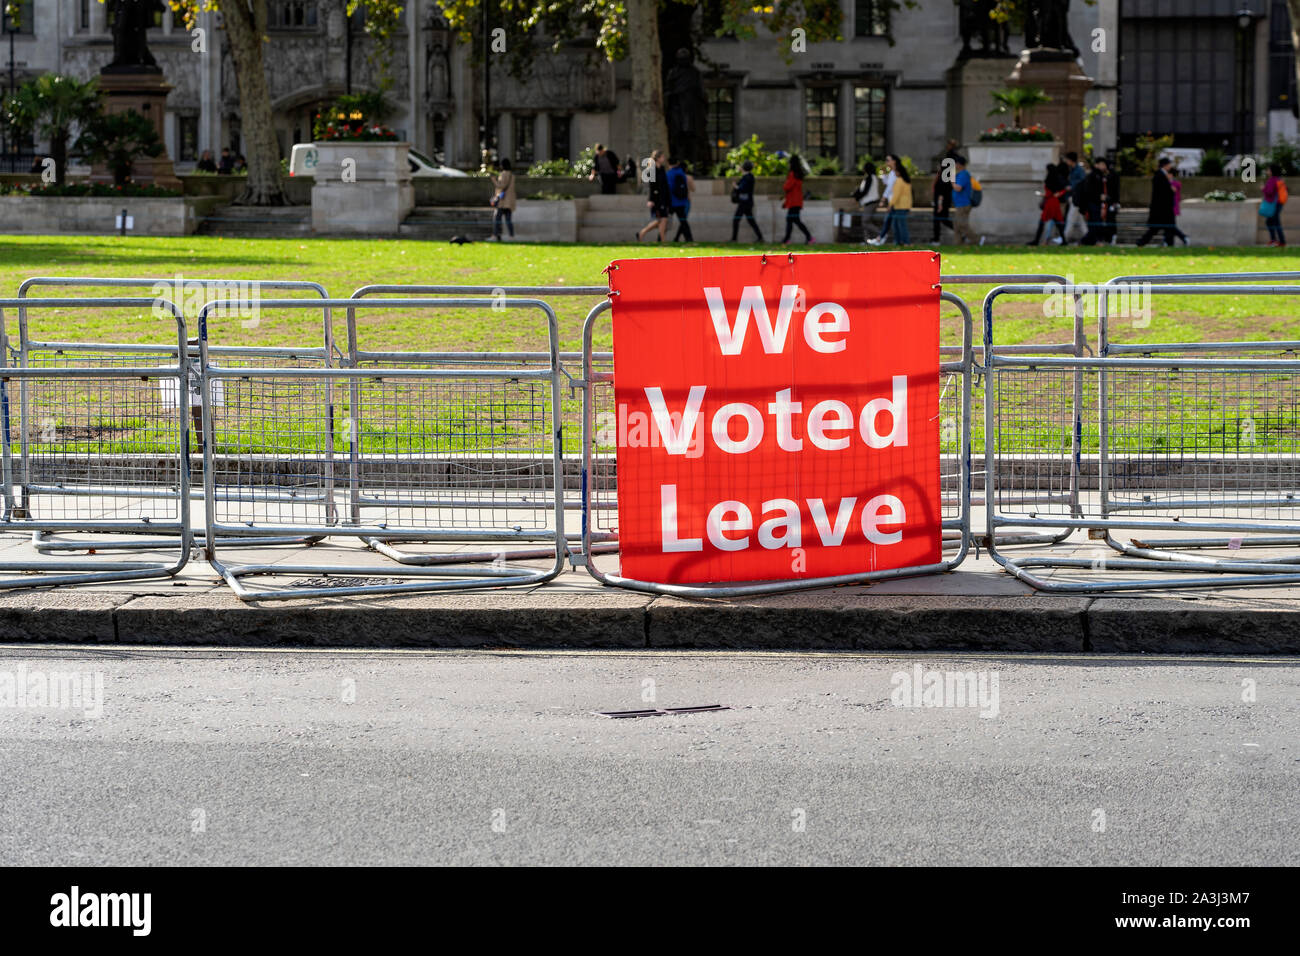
(344, 265)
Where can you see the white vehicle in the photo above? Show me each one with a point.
(303, 159)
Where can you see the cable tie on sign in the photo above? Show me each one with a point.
(935, 257)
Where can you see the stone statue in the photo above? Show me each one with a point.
(1047, 26)
(975, 22)
(437, 73)
(687, 111)
(131, 20)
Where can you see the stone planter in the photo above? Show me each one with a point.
(51, 215)
(1011, 174)
(1219, 223)
(361, 188)
(546, 220)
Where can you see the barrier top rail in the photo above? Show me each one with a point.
(132, 282)
(1000, 357)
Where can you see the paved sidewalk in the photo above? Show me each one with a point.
(978, 607)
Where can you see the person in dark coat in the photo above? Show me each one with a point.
(1160, 213)
(660, 200)
(1101, 192)
(743, 196)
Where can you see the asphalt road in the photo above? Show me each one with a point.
(262, 757)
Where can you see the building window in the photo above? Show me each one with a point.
(23, 20)
(561, 128)
(870, 115)
(525, 150)
(870, 18)
(84, 18)
(187, 138)
(1281, 60)
(721, 120)
(821, 117)
(292, 15)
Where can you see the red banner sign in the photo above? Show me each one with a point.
(776, 419)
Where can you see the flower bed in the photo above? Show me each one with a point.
(1002, 133)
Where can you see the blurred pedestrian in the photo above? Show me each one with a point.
(1275, 197)
(962, 190)
(1101, 191)
(892, 164)
(900, 205)
(1160, 210)
(1056, 184)
(605, 167)
(503, 200)
(941, 195)
(1073, 204)
(793, 201)
(868, 196)
(1177, 186)
(742, 194)
(680, 186)
(660, 200)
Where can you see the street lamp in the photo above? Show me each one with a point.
(1245, 20)
(11, 26)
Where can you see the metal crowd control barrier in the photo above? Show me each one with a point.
(108, 353)
(570, 362)
(596, 470)
(400, 466)
(108, 455)
(1156, 448)
(1147, 547)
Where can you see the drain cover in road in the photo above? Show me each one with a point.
(624, 714)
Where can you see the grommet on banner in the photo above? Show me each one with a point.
(764, 259)
(790, 257)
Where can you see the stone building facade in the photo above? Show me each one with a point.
(884, 87)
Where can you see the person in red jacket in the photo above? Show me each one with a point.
(793, 202)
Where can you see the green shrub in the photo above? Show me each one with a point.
(1286, 153)
(766, 162)
(585, 164)
(551, 167)
(1222, 195)
(827, 166)
(1212, 163)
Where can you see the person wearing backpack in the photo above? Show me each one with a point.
(1275, 197)
(793, 201)
(868, 195)
(962, 201)
(742, 194)
(659, 201)
(680, 186)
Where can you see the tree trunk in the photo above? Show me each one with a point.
(649, 131)
(59, 153)
(1293, 8)
(245, 22)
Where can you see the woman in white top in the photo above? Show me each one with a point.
(868, 196)
(890, 177)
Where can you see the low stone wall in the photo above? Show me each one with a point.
(97, 215)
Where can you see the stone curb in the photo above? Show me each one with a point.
(846, 619)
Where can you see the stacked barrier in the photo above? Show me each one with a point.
(84, 463)
(1157, 466)
(482, 455)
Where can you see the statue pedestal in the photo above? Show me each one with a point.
(1061, 78)
(146, 93)
(970, 85)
